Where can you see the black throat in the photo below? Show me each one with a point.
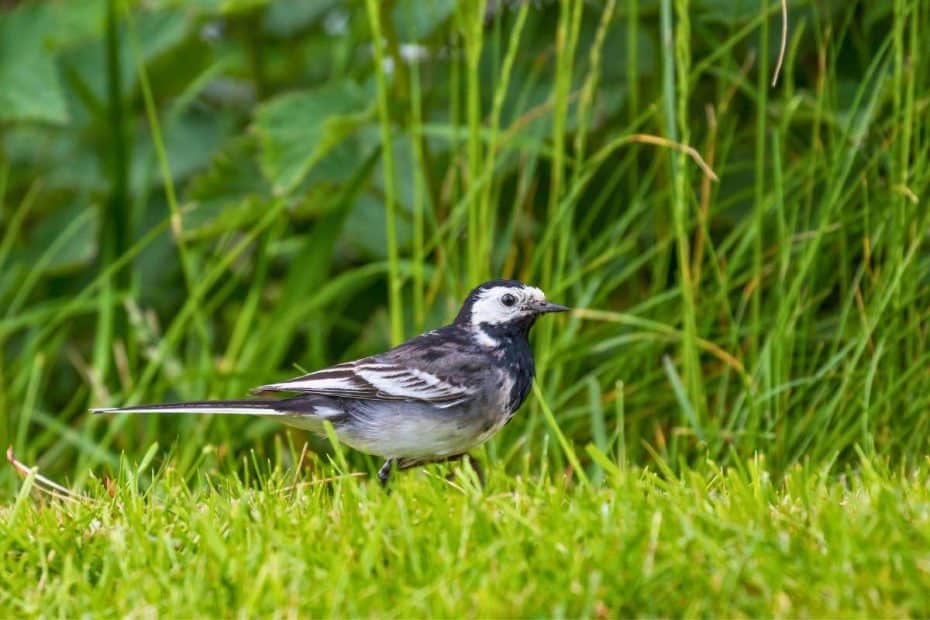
(515, 356)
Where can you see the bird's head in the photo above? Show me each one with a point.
(503, 304)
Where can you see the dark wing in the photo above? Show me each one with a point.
(409, 373)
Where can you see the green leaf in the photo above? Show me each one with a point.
(30, 89)
(223, 196)
(191, 140)
(45, 251)
(232, 174)
(364, 229)
(297, 130)
(728, 11)
(287, 17)
(158, 34)
(417, 19)
(215, 7)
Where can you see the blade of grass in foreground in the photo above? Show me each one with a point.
(395, 307)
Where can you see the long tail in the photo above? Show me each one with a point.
(286, 407)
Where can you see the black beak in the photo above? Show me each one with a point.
(550, 307)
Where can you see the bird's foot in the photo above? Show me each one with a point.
(385, 472)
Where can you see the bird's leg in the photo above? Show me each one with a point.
(385, 472)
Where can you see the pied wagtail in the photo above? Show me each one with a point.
(431, 399)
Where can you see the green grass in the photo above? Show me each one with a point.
(198, 200)
(709, 542)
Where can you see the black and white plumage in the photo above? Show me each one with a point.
(433, 398)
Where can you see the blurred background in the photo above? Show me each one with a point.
(200, 197)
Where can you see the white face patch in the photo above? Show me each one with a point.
(492, 304)
(484, 339)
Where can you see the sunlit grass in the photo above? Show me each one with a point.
(712, 541)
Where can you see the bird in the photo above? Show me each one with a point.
(431, 399)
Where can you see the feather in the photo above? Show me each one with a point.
(373, 380)
(287, 407)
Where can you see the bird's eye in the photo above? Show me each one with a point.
(508, 300)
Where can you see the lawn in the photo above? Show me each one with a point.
(199, 198)
(709, 541)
